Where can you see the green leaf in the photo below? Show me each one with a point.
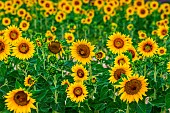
(100, 106)
(141, 107)
(3, 70)
(17, 85)
(167, 100)
(104, 92)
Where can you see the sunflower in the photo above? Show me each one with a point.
(130, 27)
(6, 21)
(58, 18)
(76, 3)
(4, 48)
(23, 49)
(50, 37)
(121, 60)
(41, 2)
(29, 81)
(53, 28)
(142, 35)
(100, 55)
(154, 32)
(161, 50)
(117, 71)
(69, 37)
(82, 51)
(168, 66)
(133, 88)
(99, 4)
(47, 4)
(77, 10)
(19, 101)
(24, 25)
(142, 12)
(21, 12)
(56, 48)
(77, 92)
(162, 31)
(93, 79)
(117, 43)
(67, 8)
(12, 34)
(2, 32)
(1, 5)
(79, 73)
(154, 5)
(138, 3)
(147, 47)
(86, 1)
(65, 82)
(108, 9)
(133, 52)
(106, 18)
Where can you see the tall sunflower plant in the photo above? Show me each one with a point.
(85, 56)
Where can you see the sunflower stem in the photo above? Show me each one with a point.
(55, 93)
(155, 81)
(36, 102)
(127, 109)
(114, 98)
(145, 70)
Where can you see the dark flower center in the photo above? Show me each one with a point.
(118, 43)
(133, 86)
(78, 91)
(23, 48)
(148, 48)
(118, 72)
(80, 73)
(83, 51)
(13, 35)
(20, 98)
(54, 47)
(2, 46)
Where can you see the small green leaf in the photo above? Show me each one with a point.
(17, 85)
(167, 100)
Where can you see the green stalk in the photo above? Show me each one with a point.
(155, 81)
(114, 98)
(36, 102)
(55, 93)
(127, 109)
(145, 70)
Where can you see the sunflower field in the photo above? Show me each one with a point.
(84, 56)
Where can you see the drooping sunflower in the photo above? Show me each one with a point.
(100, 55)
(19, 101)
(162, 31)
(23, 49)
(29, 81)
(4, 48)
(133, 88)
(6, 21)
(117, 43)
(69, 37)
(147, 47)
(161, 50)
(133, 52)
(168, 66)
(56, 48)
(77, 92)
(12, 34)
(142, 12)
(82, 51)
(80, 74)
(121, 60)
(117, 71)
(24, 25)
(65, 82)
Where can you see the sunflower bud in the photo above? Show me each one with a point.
(22, 65)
